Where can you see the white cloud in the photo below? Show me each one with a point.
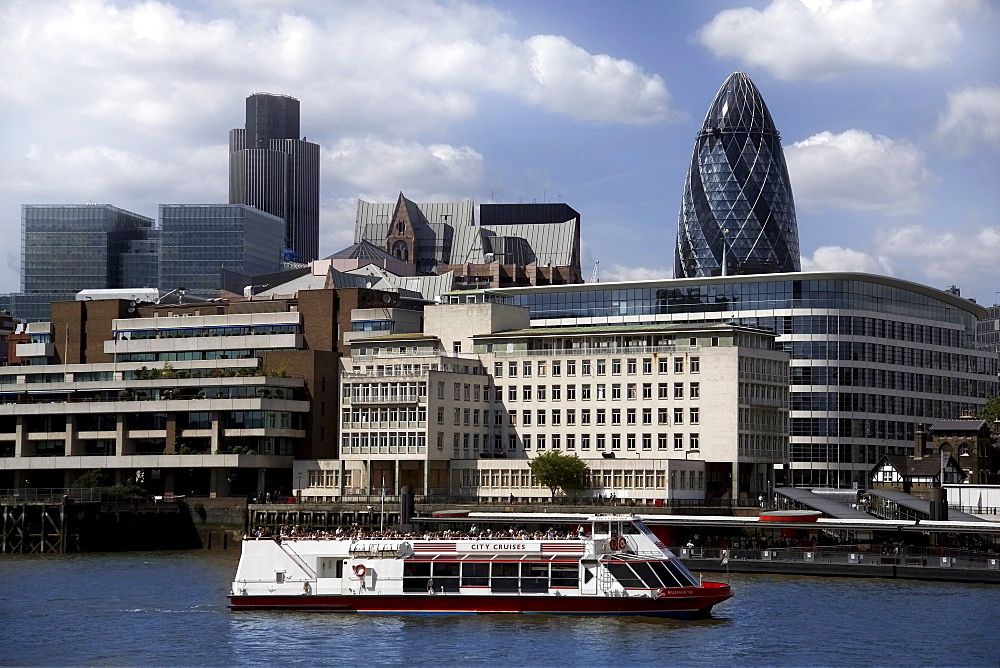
(619, 272)
(972, 117)
(857, 171)
(804, 39)
(372, 165)
(838, 258)
(954, 257)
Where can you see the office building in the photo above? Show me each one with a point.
(273, 169)
(872, 357)
(658, 412)
(198, 241)
(737, 214)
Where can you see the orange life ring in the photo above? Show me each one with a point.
(359, 570)
(618, 543)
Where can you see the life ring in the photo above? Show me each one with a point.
(618, 543)
(360, 570)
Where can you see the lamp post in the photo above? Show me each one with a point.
(299, 490)
(725, 248)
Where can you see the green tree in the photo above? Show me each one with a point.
(991, 411)
(92, 478)
(558, 471)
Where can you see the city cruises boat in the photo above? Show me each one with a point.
(597, 565)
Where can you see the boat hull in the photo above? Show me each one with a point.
(683, 603)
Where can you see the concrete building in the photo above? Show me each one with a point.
(658, 412)
(872, 357)
(211, 398)
(273, 168)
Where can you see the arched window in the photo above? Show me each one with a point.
(963, 449)
(401, 251)
(400, 227)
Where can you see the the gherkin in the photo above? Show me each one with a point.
(737, 215)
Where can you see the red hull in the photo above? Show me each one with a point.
(687, 602)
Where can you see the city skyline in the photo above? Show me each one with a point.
(891, 142)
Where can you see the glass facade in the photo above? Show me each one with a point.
(198, 241)
(68, 248)
(737, 213)
(871, 357)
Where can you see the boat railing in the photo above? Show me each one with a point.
(851, 555)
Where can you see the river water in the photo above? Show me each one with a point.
(169, 608)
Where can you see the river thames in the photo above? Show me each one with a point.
(169, 608)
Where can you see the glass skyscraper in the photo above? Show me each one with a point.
(272, 169)
(737, 215)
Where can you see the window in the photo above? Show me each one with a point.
(556, 392)
(601, 391)
(663, 391)
(585, 368)
(663, 416)
(556, 418)
(541, 369)
(694, 390)
(695, 365)
(616, 367)
(661, 441)
(526, 369)
(585, 417)
(512, 393)
(540, 393)
(693, 441)
(540, 418)
(630, 367)
(440, 389)
(678, 390)
(498, 393)
(616, 441)
(556, 368)
(632, 391)
(540, 443)
(458, 416)
(526, 439)
(616, 391)
(458, 391)
(512, 368)
(694, 417)
(526, 393)
(440, 414)
(601, 367)
(498, 369)
(678, 416)
(647, 416)
(616, 416)
(630, 416)
(601, 417)
(571, 417)
(678, 365)
(556, 442)
(630, 442)
(647, 390)
(512, 416)
(678, 441)
(585, 442)
(468, 392)
(526, 418)
(457, 346)
(571, 393)
(647, 365)
(585, 392)
(570, 367)
(664, 365)
(600, 441)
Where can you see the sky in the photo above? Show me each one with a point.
(889, 113)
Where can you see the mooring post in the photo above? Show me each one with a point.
(210, 540)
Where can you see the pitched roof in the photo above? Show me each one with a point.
(363, 250)
(957, 425)
(926, 467)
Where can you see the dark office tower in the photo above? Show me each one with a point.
(737, 215)
(272, 169)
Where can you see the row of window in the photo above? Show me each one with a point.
(192, 332)
(598, 367)
(463, 441)
(888, 354)
(384, 393)
(599, 391)
(906, 381)
(606, 479)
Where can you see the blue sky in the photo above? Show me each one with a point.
(889, 113)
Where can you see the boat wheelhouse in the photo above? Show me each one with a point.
(597, 564)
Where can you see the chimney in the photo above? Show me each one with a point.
(919, 441)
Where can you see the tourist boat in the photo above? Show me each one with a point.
(601, 565)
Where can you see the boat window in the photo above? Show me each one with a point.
(682, 574)
(666, 576)
(415, 576)
(643, 570)
(445, 575)
(535, 578)
(504, 577)
(567, 575)
(624, 575)
(475, 574)
(631, 529)
(279, 577)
